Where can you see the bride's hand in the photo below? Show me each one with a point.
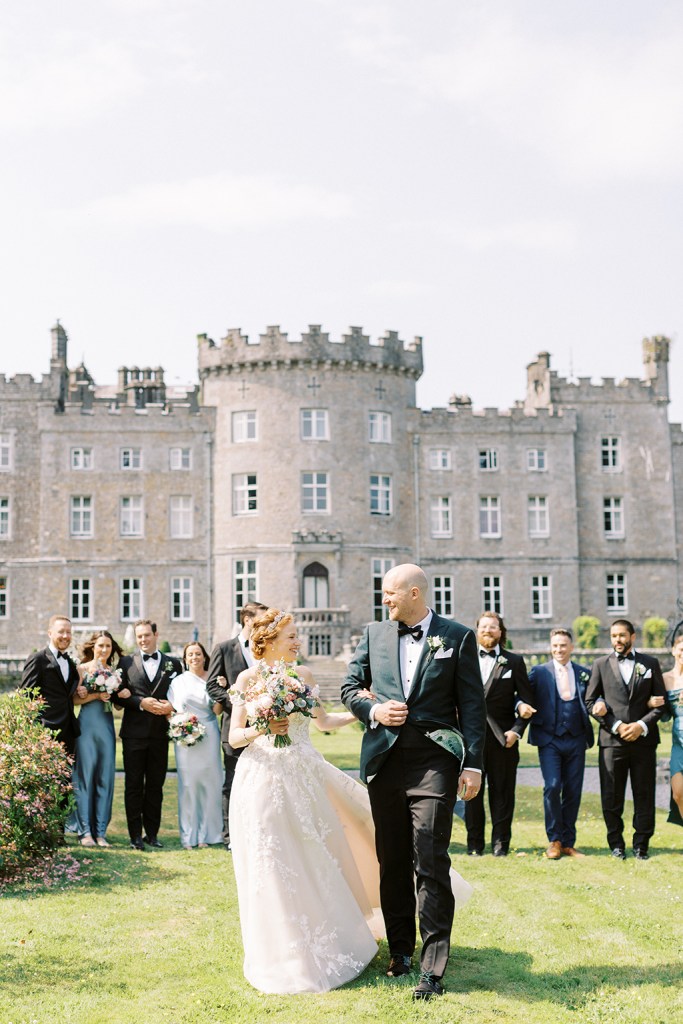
(367, 695)
(278, 726)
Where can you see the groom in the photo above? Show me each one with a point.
(423, 673)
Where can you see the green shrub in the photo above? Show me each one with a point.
(586, 629)
(654, 632)
(35, 783)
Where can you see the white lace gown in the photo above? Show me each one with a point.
(304, 856)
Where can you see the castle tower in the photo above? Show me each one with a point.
(312, 472)
(59, 344)
(538, 394)
(656, 364)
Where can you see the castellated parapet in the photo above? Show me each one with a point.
(236, 353)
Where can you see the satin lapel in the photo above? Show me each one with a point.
(425, 657)
(618, 678)
(495, 674)
(391, 633)
(159, 675)
(552, 688)
(137, 662)
(53, 661)
(635, 680)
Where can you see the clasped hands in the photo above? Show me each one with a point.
(628, 731)
(156, 707)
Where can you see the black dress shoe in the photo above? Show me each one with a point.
(398, 965)
(137, 843)
(499, 850)
(427, 987)
(641, 854)
(153, 841)
(475, 853)
(619, 853)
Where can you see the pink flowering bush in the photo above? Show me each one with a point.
(35, 784)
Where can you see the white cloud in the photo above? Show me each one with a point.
(542, 236)
(397, 289)
(216, 203)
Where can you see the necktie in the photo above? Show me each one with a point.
(563, 682)
(486, 654)
(415, 631)
(149, 657)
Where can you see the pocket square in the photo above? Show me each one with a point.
(648, 674)
(506, 675)
(443, 654)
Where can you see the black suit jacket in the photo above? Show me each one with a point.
(544, 686)
(42, 672)
(139, 724)
(627, 704)
(445, 690)
(227, 659)
(506, 686)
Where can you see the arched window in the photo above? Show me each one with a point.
(316, 586)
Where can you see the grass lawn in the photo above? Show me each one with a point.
(155, 937)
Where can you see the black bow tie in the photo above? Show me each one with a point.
(149, 657)
(626, 657)
(486, 654)
(415, 631)
(246, 643)
(61, 654)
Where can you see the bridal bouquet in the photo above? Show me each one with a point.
(276, 692)
(102, 680)
(186, 729)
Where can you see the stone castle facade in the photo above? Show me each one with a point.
(299, 470)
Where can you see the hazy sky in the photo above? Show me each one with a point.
(499, 177)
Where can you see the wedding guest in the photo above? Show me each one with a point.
(54, 675)
(673, 681)
(198, 763)
(94, 772)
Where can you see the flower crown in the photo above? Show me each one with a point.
(278, 618)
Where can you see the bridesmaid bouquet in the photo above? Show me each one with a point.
(186, 729)
(102, 680)
(276, 692)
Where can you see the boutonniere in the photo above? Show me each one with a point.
(501, 660)
(639, 670)
(168, 670)
(584, 677)
(435, 643)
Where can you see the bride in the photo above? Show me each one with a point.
(302, 841)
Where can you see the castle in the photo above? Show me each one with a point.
(300, 469)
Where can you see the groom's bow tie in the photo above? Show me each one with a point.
(626, 657)
(61, 654)
(415, 631)
(149, 657)
(487, 654)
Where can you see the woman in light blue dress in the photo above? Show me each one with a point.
(93, 776)
(200, 771)
(673, 681)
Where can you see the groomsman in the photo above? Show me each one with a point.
(55, 676)
(620, 687)
(144, 733)
(228, 659)
(508, 704)
(562, 731)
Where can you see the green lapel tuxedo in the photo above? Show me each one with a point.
(446, 688)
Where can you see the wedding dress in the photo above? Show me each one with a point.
(303, 846)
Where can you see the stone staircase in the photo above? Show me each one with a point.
(329, 675)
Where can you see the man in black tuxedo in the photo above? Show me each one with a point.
(144, 733)
(53, 673)
(509, 703)
(409, 675)
(620, 687)
(227, 660)
(562, 731)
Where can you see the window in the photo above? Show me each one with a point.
(536, 460)
(245, 583)
(4, 598)
(379, 568)
(492, 594)
(610, 454)
(79, 599)
(81, 458)
(316, 586)
(440, 517)
(179, 458)
(314, 425)
(379, 427)
(537, 516)
(244, 426)
(244, 494)
(439, 458)
(81, 516)
(181, 598)
(4, 517)
(380, 495)
(489, 516)
(320, 644)
(314, 492)
(442, 593)
(131, 458)
(5, 452)
(131, 598)
(181, 514)
(488, 459)
(541, 597)
(613, 517)
(131, 516)
(617, 595)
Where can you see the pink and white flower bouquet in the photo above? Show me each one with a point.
(102, 680)
(186, 729)
(276, 693)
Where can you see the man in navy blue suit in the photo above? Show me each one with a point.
(562, 731)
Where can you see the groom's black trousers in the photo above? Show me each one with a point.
(412, 799)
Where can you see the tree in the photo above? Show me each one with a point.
(586, 631)
(654, 632)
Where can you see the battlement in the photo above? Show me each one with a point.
(465, 419)
(236, 351)
(25, 387)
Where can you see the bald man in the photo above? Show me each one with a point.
(423, 674)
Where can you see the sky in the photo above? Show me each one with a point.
(500, 178)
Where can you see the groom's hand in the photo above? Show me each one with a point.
(469, 784)
(391, 712)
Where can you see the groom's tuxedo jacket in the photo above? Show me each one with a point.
(227, 660)
(627, 703)
(445, 690)
(139, 724)
(546, 698)
(42, 672)
(505, 687)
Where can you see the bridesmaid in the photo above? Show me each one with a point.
(673, 680)
(93, 778)
(200, 775)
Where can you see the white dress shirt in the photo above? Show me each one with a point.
(487, 663)
(151, 664)
(62, 662)
(246, 651)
